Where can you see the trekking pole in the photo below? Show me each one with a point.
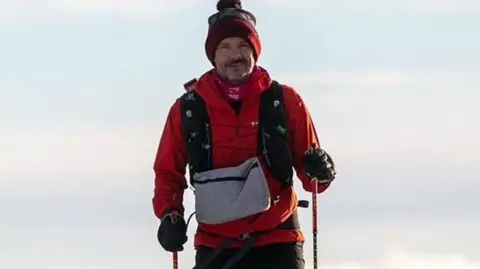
(175, 254)
(175, 260)
(314, 221)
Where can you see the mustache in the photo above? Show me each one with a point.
(237, 61)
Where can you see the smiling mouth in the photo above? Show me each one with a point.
(237, 62)
(235, 65)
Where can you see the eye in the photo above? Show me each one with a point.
(223, 46)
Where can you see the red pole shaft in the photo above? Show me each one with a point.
(175, 260)
(314, 222)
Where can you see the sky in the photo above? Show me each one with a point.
(392, 87)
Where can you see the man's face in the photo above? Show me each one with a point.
(234, 59)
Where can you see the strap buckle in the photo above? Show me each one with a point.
(244, 236)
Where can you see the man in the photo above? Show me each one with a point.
(243, 178)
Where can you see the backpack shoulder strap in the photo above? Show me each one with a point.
(190, 85)
(196, 132)
(274, 144)
(272, 109)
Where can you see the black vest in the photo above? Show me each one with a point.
(273, 139)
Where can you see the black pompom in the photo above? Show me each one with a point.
(224, 4)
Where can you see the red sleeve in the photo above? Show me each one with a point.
(170, 166)
(302, 134)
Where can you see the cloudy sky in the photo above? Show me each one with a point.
(392, 86)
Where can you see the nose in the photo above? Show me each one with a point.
(235, 53)
(235, 56)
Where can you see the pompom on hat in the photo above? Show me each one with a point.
(231, 20)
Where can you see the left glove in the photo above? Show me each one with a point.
(318, 164)
(172, 233)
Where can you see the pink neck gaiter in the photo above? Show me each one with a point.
(235, 93)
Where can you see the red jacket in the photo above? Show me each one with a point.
(232, 146)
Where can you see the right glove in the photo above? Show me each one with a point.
(172, 232)
(319, 164)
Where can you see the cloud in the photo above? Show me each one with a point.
(360, 115)
(83, 151)
(99, 180)
(28, 9)
(423, 6)
(126, 247)
(385, 78)
(87, 151)
(402, 260)
(106, 240)
(389, 113)
(121, 6)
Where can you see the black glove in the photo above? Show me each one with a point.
(319, 165)
(172, 233)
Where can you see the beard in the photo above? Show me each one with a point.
(237, 69)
